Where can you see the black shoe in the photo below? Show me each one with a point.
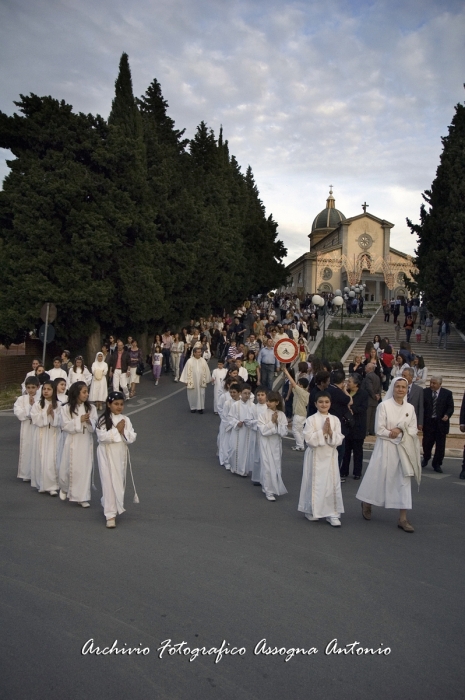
(462, 474)
(201, 411)
(194, 411)
(356, 478)
(438, 470)
(424, 463)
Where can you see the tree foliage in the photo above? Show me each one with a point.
(125, 224)
(441, 233)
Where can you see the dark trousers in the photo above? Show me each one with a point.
(355, 446)
(408, 333)
(371, 414)
(340, 454)
(434, 435)
(387, 315)
(166, 359)
(267, 376)
(387, 381)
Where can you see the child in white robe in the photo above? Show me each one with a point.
(79, 419)
(114, 433)
(272, 425)
(99, 388)
(242, 429)
(320, 492)
(62, 398)
(224, 437)
(45, 415)
(218, 377)
(223, 408)
(78, 373)
(57, 372)
(260, 408)
(22, 410)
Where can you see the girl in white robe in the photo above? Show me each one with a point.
(79, 419)
(320, 492)
(223, 408)
(385, 482)
(260, 408)
(22, 410)
(242, 429)
(218, 377)
(99, 388)
(114, 434)
(62, 398)
(78, 373)
(45, 415)
(272, 425)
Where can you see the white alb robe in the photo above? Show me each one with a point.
(44, 472)
(112, 456)
(218, 376)
(57, 373)
(23, 385)
(384, 483)
(22, 411)
(260, 409)
(271, 449)
(99, 387)
(75, 469)
(241, 439)
(221, 441)
(78, 376)
(320, 492)
(196, 374)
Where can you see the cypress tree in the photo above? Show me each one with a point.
(440, 256)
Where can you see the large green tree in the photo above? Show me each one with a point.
(440, 256)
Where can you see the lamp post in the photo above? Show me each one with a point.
(339, 301)
(317, 300)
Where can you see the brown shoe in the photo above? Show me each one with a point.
(405, 526)
(366, 511)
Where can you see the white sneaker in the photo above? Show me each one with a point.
(54, 493)
(63, 495)
(310, 517)
(270, 497)
(176, 380)
(335, 522)
(111, 522)
(84, 504)
(156, 383)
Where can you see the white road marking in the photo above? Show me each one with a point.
(435, 476)
(155, 402)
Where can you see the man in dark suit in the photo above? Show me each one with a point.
(438, 408)
(414, 396)
(340, 403)
(356, 434)
(372, 385)
(462, 430)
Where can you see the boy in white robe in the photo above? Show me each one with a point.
(223, 436)
(320, 492)
(272, 425)
(57, 372)
(114, 434)
(386, 482)
(196, 374)
(242, 428)
(260, 408)
(218, 377)
(22, 411)
(45, 415)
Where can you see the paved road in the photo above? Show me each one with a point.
(205, 558)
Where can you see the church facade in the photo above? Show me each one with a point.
(346, 251)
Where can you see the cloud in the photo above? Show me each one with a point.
(356, 94)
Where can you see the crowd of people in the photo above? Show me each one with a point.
(330, 413)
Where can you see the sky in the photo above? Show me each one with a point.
(343, 92)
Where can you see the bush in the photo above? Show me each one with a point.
(346, 326)
(335, 348)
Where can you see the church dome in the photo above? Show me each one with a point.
(329, 217)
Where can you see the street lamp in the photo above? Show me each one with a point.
(317, 300)
(339, 301)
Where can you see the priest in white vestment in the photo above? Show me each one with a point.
(320, 492)
(395, 458)
(196, 374)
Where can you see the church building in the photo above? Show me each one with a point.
(347, 251)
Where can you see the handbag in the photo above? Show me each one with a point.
(140, 367)
(348, 419)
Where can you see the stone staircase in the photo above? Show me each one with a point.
(450, 363)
